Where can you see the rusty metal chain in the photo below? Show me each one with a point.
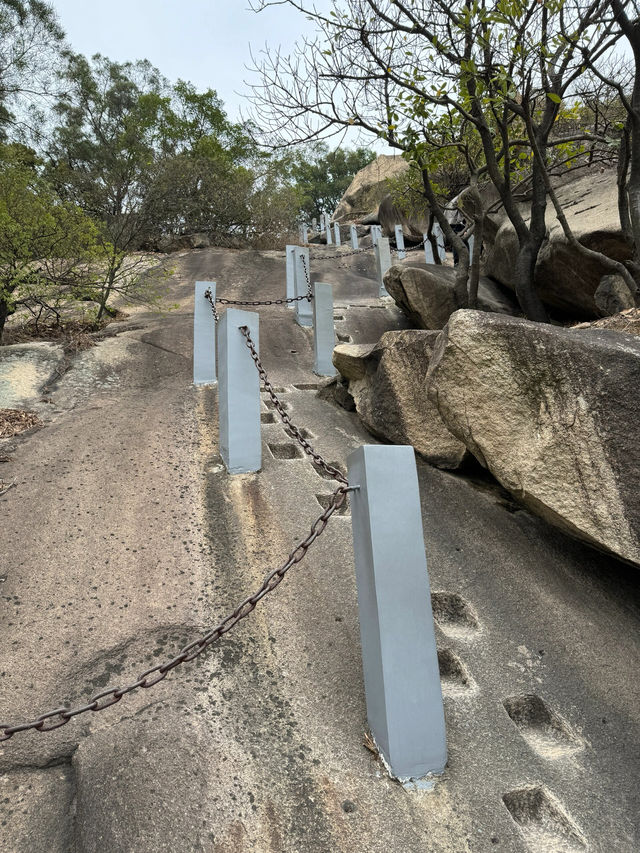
(292, 429)
(61, 716)
(415, 248)
(254, 303)
(340, 254)
(209, 297)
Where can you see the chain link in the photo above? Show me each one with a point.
(340, 254)
(292, 429)
(59, 717)
(253, 303)
(209, 297)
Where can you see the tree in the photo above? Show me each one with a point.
(30, 39)
(113, 121)
(47, 247)
(497, 72)
(323, 175)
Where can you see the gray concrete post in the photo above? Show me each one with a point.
(328, 233)
(204, 336)
(324, 335)
(376, 234)
(239, 394)
(383, 262)
(470, 243)
(314, 224)
(336, 234)
(400, 242)
(428, 250)
(291, 274)
(322, 222)
(354, 237)
(437, 230)
(304, 312)
(400, 662)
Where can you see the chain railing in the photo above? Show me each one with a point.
(254, 303)
(55, 719)
(293, 430)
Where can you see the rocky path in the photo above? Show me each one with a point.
(124, 538)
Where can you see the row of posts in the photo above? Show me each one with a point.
(333, 237)
(400, 663)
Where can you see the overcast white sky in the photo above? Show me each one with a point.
(205, 41)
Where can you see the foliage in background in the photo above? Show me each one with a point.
(323, 176)
(47, 246)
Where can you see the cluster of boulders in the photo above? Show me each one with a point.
(550, 411)
(570, 284)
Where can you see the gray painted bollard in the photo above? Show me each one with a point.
(376, 234)
(437, 231)
(400, 242)
(304, 313)
(383, 262)
(400, 662)
(204, 336)
(336, 233)
(354, 237)
(328, 233)
(428, 250)
(324, 335)
(239, 394)
(291, 274)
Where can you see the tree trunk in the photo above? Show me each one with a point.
(4, 313)
(622, 177)
(528, 298)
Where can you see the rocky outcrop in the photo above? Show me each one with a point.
(565, 279)
(613, 295)
(386, 381)
(413, 226)
(25, 369)
(426, 294)
(368, 188)
(553, 414)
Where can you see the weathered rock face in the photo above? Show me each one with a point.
(426, 294)
(565, 279)
(386, 381)
(413, 226)
(368, 188)
(613, 295)
(553, 414)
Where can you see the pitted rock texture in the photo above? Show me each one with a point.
(553, 414)
(427, 295)
(386, 381)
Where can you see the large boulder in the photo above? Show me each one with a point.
(427, 296)
(564, 278)
(369, 186)
(552, 413)
(613, 295)
(414, 225)
(386, 381)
